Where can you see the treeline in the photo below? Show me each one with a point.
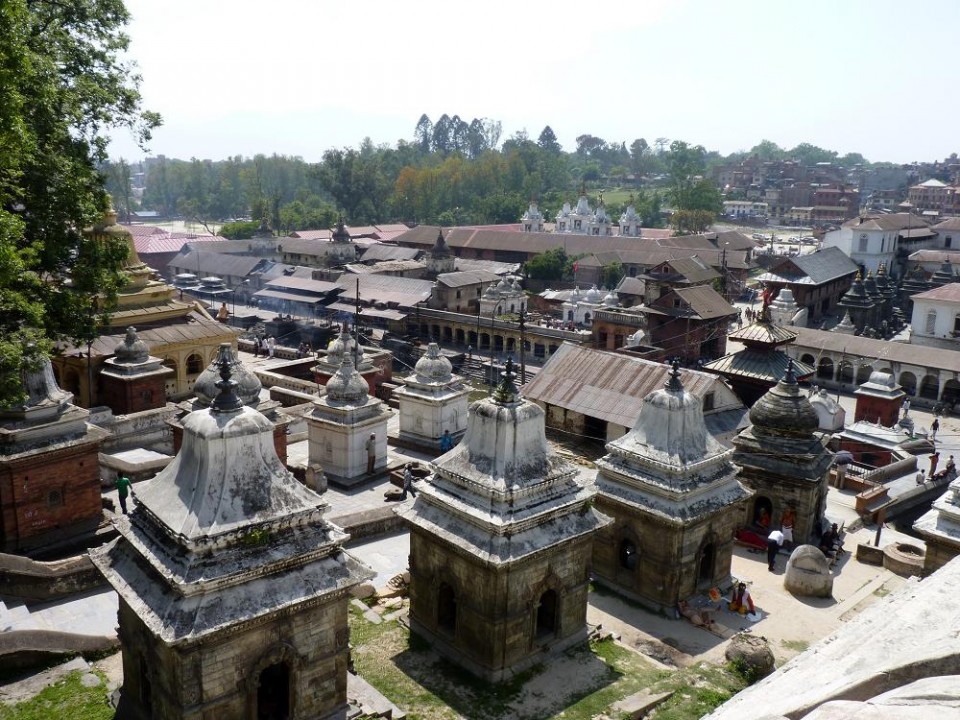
(452, 172)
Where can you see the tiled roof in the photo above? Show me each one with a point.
(632, 286)
(500, 268)
(692, 269)
(950, 224)
(816, 268)
(935, 256)
(893, 221)
(854, 346)
(706, 302)
(950, 292)
(405, 292)
(183, 329)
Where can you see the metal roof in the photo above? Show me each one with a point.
(816, 268)
(763, 333)
(374, 288)
(301, 283)
(466, 277)
(809, 339)
(606, 385)
(380, 252)
(758, 365)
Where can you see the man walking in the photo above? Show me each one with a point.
(123, 489)
(407, 483)
(774, 541)
(934, 427)
(371, 453)
(446, 442)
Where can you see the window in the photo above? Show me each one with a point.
(863, 243)
(931, 322)
(458, 294)
(948, 241)
(55, 498)
(628, 554)
(709, 400)
(956, 325)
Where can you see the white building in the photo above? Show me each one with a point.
(871, 240)
(431, 401)
(936, 317)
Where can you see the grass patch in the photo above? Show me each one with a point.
(67, 698)
(795, 645)
(583, 683)
(882, 591)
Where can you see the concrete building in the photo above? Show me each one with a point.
(233, 588)
(936, 317)
(871, 240)
(817, 281)
(500, 540)
(675, 501)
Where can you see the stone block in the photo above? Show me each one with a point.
(637, 706)
(869, 554)
(808, 573)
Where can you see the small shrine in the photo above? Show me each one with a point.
(341, 424)
(759, 365)
(49, 470)
(432, 399)
(784, 460)
(340, 348)
(247, 389)
(785, 311)
(859, 305)
(440, 259)
(630, 221)
(233, 587)
(673, 493)
(940, 528)
(341, 249)
(879, 400)
(503, 298)
(133, 380)
(500, 543)
(581, 307)
(532, 220)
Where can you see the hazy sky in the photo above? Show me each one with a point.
(299, 76)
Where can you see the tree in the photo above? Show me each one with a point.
(62, 85)
(548, 141)
(639, 150)
(547, 265)
(691, 221)
(612, 274)
(423, 134)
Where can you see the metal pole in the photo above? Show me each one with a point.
(523, 342)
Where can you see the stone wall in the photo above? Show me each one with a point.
(495, 627)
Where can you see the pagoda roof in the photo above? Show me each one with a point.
(758, 365)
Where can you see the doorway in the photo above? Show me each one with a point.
(273, 692)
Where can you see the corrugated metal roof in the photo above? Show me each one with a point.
(204, 262)
(949, 292)
(809, 339)
(292, 297)
(380, 252)
(467, 277)
(302, 283)
(184, 329)
(706, 302)
(402, 291)
(605, 385)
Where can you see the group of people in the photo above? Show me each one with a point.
(264, 345)
(949, 471)
(304, 350)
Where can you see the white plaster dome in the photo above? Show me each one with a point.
(491, 293)
(638, 338)
(611, 299)
(342, 346)
(593, 295)
(347, 385)
(248, 385)
(433, 367)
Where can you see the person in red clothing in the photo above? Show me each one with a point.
(742, 602)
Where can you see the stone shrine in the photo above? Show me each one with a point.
(532, 220)
(859, 305)
(247, 389)
(440, 259)
(49, 470)
(503, 298)
(432, 399)
(367, 361)
(342, 249)
(940, 528)
(784, 459)
(500, 542)
(673, 494)
(133, 380)
(340, 424)
(233, 588)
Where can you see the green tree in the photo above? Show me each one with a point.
(612, 274)
(547, 265)
(691, 221)
(62, 86)
(548, 141)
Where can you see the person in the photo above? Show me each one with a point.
(223, 313)
(271, 343)
(934, 459)
(951, 468)
(920, 477)
(371, 453)
(257, 344)
(786, 524)
(742, 602)
(446, 441)
(407, 483)
(934, 427)
(830, 541)
(763, 518)
(123, 489)
(774, 541)
(700, 618)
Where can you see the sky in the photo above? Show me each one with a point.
(297, 77)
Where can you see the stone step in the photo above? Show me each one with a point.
(14, 615)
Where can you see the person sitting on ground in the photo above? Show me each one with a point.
(742, 602)
(763, 518)
(830, 541)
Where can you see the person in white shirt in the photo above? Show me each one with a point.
(774, 541)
